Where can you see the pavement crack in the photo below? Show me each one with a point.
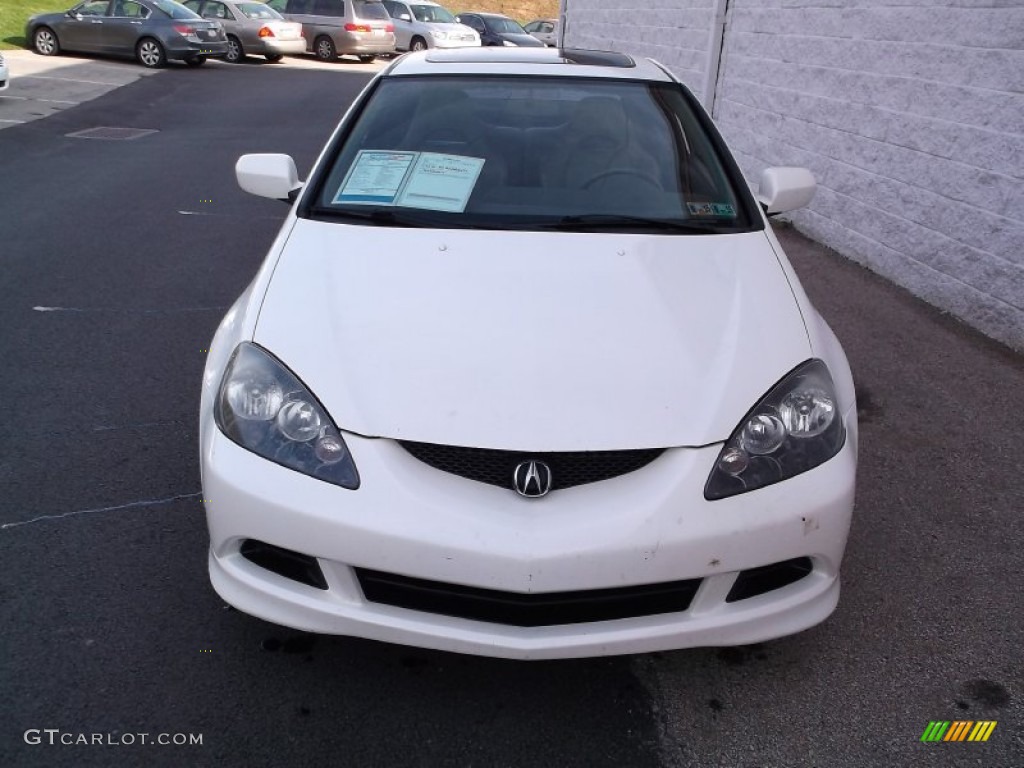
(129, 505)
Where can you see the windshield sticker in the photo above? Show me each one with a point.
(440, 182)
(711, 209)
(410, 179)
(375, 177)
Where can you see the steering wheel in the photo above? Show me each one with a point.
(650, 178)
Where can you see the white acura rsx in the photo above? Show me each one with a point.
(527, 374)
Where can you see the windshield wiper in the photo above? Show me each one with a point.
(590, 222)
(372, 216)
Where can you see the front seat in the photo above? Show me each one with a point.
(598, 144)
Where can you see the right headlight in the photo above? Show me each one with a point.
(264, 408)
(794, 428)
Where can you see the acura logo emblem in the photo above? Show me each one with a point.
(532, 479)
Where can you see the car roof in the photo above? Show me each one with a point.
(546, 62)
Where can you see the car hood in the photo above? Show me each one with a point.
(532, 341)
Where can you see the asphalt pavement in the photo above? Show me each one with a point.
(118, 260)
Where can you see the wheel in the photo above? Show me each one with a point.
(366, 59)
(196, 61)
(324, 49)
(150, 53)
(273, 58)
(44, 42)
(418, 44)
(235, 51)
(648, 177)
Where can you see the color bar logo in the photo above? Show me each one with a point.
(958, 730)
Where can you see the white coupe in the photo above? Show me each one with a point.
(527, 374)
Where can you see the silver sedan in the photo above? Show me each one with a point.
(252, 28)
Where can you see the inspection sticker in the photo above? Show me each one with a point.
(410, 179)
(711, 209)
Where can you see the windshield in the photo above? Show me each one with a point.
(432, 14)
(175, 10)
(258, 11)
(505, 152)
(503, 25)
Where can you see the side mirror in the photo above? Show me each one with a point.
(404, 17)
(73, 15)
(785, 189)
(272, 176)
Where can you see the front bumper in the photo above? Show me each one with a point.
(648, 527)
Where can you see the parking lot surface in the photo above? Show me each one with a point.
(119, 259)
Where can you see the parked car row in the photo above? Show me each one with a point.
(156, 31)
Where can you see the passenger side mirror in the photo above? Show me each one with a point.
(404, 17)
(269, 175)
(785, 189)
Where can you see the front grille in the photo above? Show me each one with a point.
(568, 468)
(526, 610)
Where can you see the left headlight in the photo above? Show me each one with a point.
(438, 34)
(794, 428)
(264, 408)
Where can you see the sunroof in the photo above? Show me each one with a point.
(489, 55)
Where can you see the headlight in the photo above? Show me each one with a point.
(438, 34)
(794, 428)
(508, 43)
(264, 408)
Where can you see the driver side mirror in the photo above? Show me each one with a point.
(785, 189)
(404, 17)
(72, 15)
(269, 175)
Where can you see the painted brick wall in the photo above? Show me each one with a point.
(675, 32)
(909, 113)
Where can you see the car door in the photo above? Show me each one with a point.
(122, 29)
(401, 17)
(82, 28)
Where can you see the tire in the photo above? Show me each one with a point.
(196, 61)
(324, 49)
(418, 44)
(273, 58)
(366, 59)
(45, 42)
(235, 51)
(150, 53)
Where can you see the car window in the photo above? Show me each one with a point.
(370, 9)
(471, 21)
(129, 10)
(215, 10)
(93, 8)
(533, 26)
(498, 25)
(193, 5)
(257, 11)
(510, 152)
(546, 27)
(432, 14)
(318, 7)
(279, 5)
(174, 10)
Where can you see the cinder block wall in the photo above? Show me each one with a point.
(911, 117)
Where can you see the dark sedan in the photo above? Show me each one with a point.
(153, 31)
(495, 29)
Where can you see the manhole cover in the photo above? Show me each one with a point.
(115, 134)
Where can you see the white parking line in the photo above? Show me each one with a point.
(67, 80)
(12, 121)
